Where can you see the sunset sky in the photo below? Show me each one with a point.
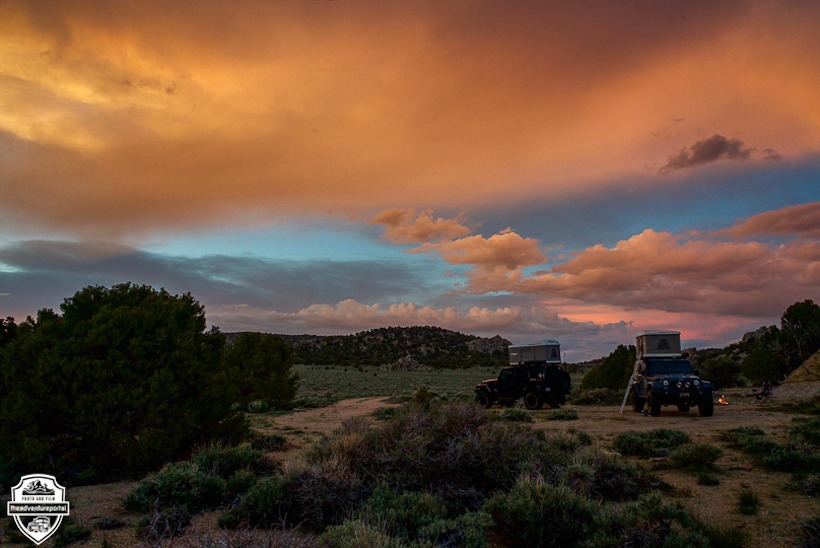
(534, 169)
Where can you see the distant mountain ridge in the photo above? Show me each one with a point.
(431, 346)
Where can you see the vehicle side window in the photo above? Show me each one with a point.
(505, 375)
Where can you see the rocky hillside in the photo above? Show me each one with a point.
(430, 346)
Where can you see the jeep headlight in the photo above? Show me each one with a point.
(665, 382)
(687, 384)
(679, 384)
(696, 382)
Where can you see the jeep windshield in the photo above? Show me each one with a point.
(669, 367)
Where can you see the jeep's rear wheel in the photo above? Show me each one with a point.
(532, 401)
(484, 399)
(706, 407)
(654, 405)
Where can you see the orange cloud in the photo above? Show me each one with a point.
(150, 114)
(801, 220)
(404, 226)
(506, 250)
(657, 270)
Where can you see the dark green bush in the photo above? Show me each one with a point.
(239, 483)
(613, 372)
(741, 436)
(514, 415)
(141, 381)
(536, 513)
(748, 503)
(262, 364)
(650, 442)
(405, 514)
(70, 532)
(264, 505)
(325, 493)
(181, 485)
(808, 484)
(800, 458)
(563, 415)
(648, 522)
(616, 480)
(806, 432)
(810, 532)
(696, 456)
(218, 460)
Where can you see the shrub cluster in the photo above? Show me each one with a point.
(214, 475)
(800, 456)
(440, 474)
(651, 442)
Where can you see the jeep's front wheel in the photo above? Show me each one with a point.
(484, 399)
(654, 405)
(706, 407)
(532, 400)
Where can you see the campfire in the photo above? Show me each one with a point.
(723, 400)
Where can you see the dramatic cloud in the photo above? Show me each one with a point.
(801, 221)
(661, 271)
(224, 151)
(142, 115)
(716, 147)
(506, 250)
(404, 226)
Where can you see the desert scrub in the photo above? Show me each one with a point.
(696, 457)
(214, 473)
(742, 436)
(536, 513)
(162, 524)
(800, 457)
(177, 485)
(514, 415)
(810, 532)
(563, 415)
(264, 505)
(648, 521)
(218, 460)
(806, 432)
(649, 443)
(748, 502)
(708, 478)
(70, 532)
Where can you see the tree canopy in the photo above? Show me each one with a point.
(614, 371)
(122, 381)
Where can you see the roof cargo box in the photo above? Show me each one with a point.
(658, 344)
(547, 351)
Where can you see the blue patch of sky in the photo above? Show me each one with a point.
(292, 240)
(705, 200)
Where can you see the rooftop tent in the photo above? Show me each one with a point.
(658, 344)
(546, 351)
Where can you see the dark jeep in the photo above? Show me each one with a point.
(670, 381)
(536, 383)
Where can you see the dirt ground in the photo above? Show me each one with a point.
(776, 525)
